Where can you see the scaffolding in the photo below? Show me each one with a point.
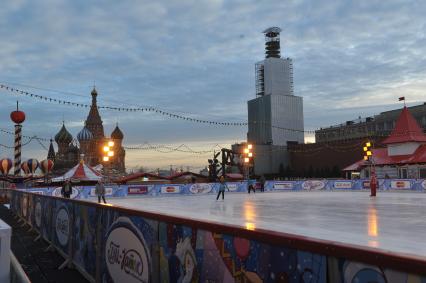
(260, 79)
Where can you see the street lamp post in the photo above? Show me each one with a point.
(108, 150)
(248, 158)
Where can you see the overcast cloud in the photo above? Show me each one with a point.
(192, 57)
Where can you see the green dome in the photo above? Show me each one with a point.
(63, 136)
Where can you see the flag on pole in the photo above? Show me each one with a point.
(401, 98)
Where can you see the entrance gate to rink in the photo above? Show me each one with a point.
(114, 244)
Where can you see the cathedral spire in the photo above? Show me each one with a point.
(94, 94)
(51, 153)
(94, 121)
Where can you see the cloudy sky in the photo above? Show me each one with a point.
(196, 58)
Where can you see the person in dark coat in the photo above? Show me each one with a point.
(100, 191)
(262, 183)
(251, 186)
(66, 189)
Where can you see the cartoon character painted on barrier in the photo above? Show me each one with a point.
(181, 259)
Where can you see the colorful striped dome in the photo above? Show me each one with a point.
(85, 135)
(63, 136)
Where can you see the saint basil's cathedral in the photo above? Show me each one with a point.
(88, 146)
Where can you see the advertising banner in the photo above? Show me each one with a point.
(201, 188)
(108, 192)
(342, 185)
(62, 225)
(233, 187)
(139, 190)
(283, 185)
(400, 184)
(170, 189)
(127, 249)
(57, 192)
(313, 185)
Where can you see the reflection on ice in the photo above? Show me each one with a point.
(250, 226)
(373, 230)
(249, 215)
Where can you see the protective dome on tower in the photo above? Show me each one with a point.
(117, 134)
(63, 136)
(85, 134)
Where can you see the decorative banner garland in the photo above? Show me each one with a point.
(146, 109)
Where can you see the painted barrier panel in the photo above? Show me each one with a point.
(47, 210)
(5, 240)
(113, 244)
(128, 242)
(84, 239)
(61, 225)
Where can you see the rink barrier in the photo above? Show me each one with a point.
(116, 244)
(140, 190)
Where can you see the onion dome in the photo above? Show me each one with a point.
(117, 134)
(63, 136)
(85, 134)
(94, 92)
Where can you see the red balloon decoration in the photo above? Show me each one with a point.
(25, 168)
(46, 166)
(17, 116)
(5, 166)
(242, 247)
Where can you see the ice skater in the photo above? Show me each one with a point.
(262, 183)
(100, 191)
(251, 186)
(222, 187)
(66, 189)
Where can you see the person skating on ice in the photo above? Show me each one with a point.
(66, 189)
(100, 191)
(251, 186)
(222, 187)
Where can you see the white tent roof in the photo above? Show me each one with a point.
(80, 172)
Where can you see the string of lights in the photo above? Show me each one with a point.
(168, 114)
(168, 149)
(24, 136)
(22, 145)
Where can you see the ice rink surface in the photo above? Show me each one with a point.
(392, 221)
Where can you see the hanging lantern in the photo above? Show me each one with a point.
(32, 165)
(25, 168)
(5, 166)
(46, 166)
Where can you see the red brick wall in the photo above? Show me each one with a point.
(320, 156)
